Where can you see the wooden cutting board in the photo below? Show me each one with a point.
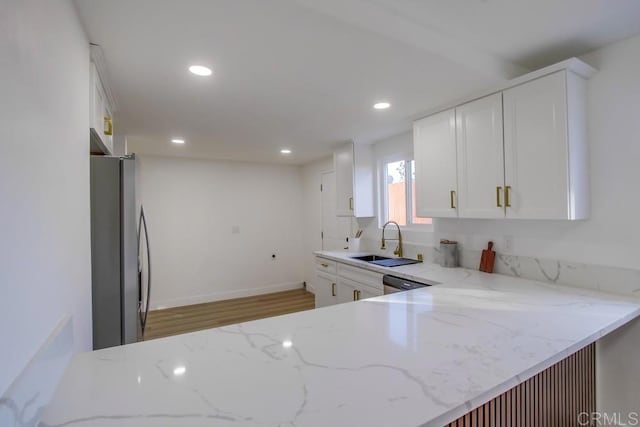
(488, 259)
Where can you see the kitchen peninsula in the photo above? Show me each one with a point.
(424, 357)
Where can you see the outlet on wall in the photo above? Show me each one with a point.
(507, 243)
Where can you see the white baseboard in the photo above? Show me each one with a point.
(224, 295)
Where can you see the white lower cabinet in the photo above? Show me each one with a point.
(349, 291)
(326, 289)
(337, 282)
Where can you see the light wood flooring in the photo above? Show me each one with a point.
(180, 320)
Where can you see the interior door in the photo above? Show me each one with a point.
(335, 230)
(434, 150)
(480, 146)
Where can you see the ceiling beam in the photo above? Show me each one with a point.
(385, 21)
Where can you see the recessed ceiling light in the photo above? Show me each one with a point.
(381, 105)
(178, 141)
(179, 370)
(200, 70)
(287, 344)
(285, 151)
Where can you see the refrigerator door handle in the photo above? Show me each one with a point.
(142, 225)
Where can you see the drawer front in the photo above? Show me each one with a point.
(325, 265)
(360, 275)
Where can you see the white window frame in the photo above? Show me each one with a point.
(383, 196)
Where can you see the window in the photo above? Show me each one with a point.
(399, 193)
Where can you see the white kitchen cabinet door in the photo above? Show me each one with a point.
(349, 291)
(546, 159)
(367, 292)
(480, 146)
(353, 166)
(434, 151)
(325, 290)
(101, 121)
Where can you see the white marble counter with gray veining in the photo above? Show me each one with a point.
(416, 358)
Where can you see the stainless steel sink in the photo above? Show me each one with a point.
(370, 258)
(384, 261)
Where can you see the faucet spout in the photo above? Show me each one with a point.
(398, 250)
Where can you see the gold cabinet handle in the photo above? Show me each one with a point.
(452, 196)
(325, 265)
(357, 295)
(333, 289)
(109, 121)
(498, 191)
(350, 203)
(507, 196)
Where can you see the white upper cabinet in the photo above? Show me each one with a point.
(434, 152)
(101, 119)
(546, 163)
(520, 152)
(480, 158)
(353, 166)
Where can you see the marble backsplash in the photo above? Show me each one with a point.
(622, 281)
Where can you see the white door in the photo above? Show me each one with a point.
(343, 168)
(536, 149)
(335, 230)
(480, 158)
(434, 151)
(326, 290)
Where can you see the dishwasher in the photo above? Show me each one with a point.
(393, 284)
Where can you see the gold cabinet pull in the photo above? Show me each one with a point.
(333, 289)
(452, 196)
(507, 196)
(355, 292)
(325, 265)
(498, 190)
(350, 203)
(358, 295)
(109, 121)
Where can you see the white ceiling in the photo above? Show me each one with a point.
(303, 74)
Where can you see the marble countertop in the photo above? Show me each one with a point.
(418, 358)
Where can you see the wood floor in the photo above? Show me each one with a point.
(179, 320)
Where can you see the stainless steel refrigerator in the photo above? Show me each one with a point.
(119, 297)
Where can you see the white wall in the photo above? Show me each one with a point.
(44, 179)
(192, 207)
